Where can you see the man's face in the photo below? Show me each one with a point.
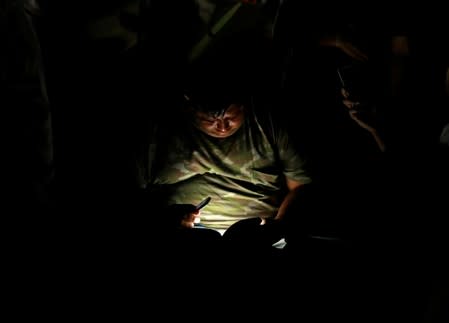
(223, 125)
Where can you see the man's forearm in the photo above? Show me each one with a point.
(288, 201)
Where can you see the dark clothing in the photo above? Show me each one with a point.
(29, 151)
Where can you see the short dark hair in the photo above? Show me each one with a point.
(215, 100)
(216, 89)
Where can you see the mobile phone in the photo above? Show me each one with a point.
(203, 203)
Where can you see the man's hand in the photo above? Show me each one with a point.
(183, 215)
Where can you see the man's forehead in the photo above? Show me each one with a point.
(229, 109)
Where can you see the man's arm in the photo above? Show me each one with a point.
(294, 187)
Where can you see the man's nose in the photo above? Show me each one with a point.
(222, 125)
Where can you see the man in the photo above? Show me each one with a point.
(219, 146)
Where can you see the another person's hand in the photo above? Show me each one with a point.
(183, 215)
(365, 118)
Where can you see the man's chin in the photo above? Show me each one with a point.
(221, 135)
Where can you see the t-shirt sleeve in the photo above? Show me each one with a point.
(291, 158)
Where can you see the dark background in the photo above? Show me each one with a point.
(102, 81)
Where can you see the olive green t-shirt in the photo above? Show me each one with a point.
(243, 174)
